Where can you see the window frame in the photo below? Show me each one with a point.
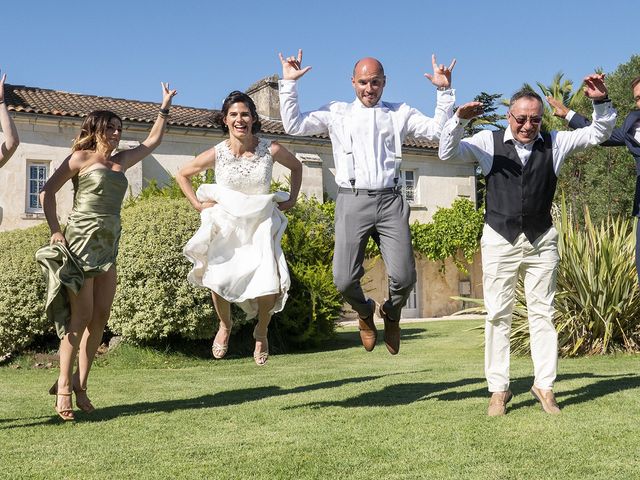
(46, 164)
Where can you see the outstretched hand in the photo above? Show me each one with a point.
(594, 87)
(469, 110)
(167, 95)
(559, 108)
(441, 75)
(292, 67)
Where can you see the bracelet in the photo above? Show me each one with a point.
(601, 101)
(164, 112)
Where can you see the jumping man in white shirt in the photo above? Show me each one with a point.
(366, 137)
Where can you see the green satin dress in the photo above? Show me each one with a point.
(92, 234)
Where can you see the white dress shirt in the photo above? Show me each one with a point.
(372, 132)
(480, 146)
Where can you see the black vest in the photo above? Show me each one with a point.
(519, 198)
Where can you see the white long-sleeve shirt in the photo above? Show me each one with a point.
(371, 129)
(479, 147)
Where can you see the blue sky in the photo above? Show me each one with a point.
(206, 49)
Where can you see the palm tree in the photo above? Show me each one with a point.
(562, 91)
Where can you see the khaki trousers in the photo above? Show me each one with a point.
(502, 263)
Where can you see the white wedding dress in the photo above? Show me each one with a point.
(236, 251)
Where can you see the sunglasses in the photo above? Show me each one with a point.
(521, 120)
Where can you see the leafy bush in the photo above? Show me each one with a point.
(154, 301)
(314, 302)
(22, 315)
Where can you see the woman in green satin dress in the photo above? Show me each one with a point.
(80, 263)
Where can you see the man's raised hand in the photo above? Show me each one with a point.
(594, 86)
(441, 75)
(469, 110)
(292, 67)
(559, 108)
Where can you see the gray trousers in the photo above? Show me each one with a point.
(358, 217)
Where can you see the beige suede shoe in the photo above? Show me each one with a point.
(547, 399)
(498, 403)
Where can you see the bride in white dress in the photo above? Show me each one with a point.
(236, 251)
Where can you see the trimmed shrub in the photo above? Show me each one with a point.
(22, 315)
(314, 302)
(154, 301)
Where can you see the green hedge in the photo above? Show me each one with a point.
(22, 316)
(154, 301)
(314, 302)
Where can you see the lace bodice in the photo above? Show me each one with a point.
(250, 175)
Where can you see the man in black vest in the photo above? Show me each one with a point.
(521, 165)
(628, 135)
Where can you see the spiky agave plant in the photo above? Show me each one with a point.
(597, 297)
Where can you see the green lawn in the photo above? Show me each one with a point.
(339, 413)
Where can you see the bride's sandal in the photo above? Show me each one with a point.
(82, 400)
(65, 414)
(219, 350)
(261, 356)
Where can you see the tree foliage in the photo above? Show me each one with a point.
(602, 179)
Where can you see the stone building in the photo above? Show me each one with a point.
(48, 120)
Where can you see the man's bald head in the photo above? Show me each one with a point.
(369, 64)
(368, 81)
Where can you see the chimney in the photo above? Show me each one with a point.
(265, 95)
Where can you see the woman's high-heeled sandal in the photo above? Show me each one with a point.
(65, 414)
(262, 356)
(219, 350)
(86, 406)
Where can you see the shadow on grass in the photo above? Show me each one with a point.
(406, 393)
(221, 399)
(399, 394)
(389, 396)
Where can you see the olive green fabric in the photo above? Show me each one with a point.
(92, 234)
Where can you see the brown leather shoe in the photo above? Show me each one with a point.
(368, 332)
(547, 399)
(498, 403)
(391, 332)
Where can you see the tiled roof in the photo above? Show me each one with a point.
(64, 104)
